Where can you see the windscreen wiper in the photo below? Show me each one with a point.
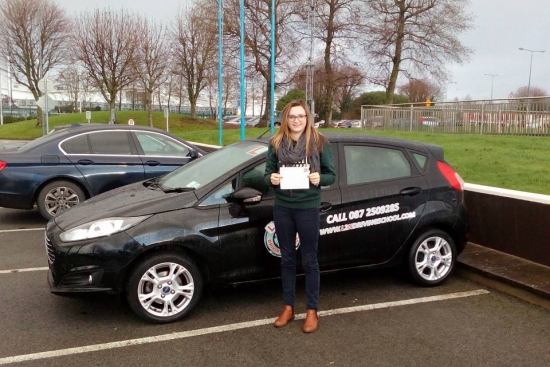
(178, 189)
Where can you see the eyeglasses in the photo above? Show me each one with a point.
(294, 117)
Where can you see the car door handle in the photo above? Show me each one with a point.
(411, 191)
(152, 163)
(325, 207)
(85, 162)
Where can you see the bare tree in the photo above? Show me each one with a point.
(338, 23)
(154, 57)
(532, 91)
(257, 38)
(195, 46)
(414, 37)
(74, 82)
(419, 90)
(106, 44)
(32, 36)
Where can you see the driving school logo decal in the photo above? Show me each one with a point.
(272, 243)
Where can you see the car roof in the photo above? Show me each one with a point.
(105, 126)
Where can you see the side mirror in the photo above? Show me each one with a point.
(246, 195)
(193, 154)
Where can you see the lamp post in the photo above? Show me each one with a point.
(530, 67)
(492, 78)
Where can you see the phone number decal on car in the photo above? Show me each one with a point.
(366, 223)
(361, 213)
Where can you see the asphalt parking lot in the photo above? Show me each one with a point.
(368, 318)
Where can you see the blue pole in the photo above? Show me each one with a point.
(220, 70)
(242, 71)
(272, 73)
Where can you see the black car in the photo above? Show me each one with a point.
(78, 161)
(160, 241)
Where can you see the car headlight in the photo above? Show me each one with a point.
(100, 228)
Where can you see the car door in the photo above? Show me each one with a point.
(383, 196)
(106, 159)
(242, 229)
(159, 153)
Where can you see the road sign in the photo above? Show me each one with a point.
(428, 102)
(88, 116)
(45, 85)
(42, 102)
(131, 122)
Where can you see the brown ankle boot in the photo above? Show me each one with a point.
(311, 322)
(285, 317)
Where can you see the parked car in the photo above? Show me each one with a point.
(75, 162)
(375, 121)
(232, 119)
(159, 241)
(344, 123)
(252, 121)
(429, 121)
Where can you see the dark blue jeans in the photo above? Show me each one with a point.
(306, 223)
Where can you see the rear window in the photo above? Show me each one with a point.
(368, 164)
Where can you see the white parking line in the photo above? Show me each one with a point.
(21, 230)
(11, 271)
(224, 328)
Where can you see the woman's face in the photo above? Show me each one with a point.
(297, 120)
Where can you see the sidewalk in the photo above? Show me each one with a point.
(507, 273)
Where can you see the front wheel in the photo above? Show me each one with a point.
(432, 258)
(58, 196)
(164, 288)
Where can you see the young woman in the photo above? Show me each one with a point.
(298, 144)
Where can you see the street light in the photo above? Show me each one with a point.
(530, 66)
(493, 77)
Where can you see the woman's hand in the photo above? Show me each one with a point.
(276, 178)
(315, 178)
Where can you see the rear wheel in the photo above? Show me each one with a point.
(164, 288)
(432, 258)
(58, 196)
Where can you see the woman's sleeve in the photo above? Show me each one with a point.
(328, 174)
(271, 165)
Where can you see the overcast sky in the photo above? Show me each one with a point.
(501, 27)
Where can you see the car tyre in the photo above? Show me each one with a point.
(58, 196)
(164, 288)
(432, 258)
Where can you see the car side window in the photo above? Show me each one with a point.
(369, 164)
(421, 159)
(219, 196)
(110, 142)
(254, 178)
(76, 145)
(159, 145)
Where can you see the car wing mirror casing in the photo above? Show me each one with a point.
(246, 195)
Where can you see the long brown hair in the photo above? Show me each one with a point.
(310, 131)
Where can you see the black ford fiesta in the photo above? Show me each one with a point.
(394, 202)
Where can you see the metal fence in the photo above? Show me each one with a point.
(519, 116)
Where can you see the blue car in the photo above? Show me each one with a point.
(78, 161)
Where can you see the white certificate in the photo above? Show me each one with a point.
(294, 178)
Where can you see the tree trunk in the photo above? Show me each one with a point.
(396, 61)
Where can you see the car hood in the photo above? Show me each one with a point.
(128, 201)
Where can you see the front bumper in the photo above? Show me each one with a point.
(96, 265)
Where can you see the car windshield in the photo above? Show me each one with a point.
(213, 165)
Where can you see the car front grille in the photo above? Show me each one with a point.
(49, 250)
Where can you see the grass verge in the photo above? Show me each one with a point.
(512, 162)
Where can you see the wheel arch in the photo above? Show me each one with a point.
(82, 186)
(182, 248)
